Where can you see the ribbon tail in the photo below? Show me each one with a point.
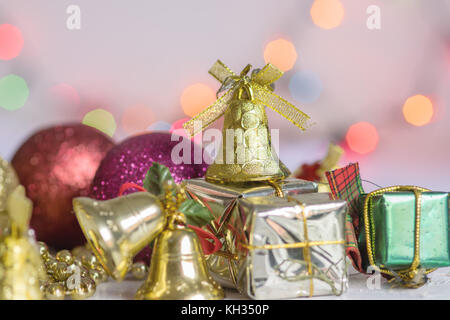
(220, 71)
(282, 107)
(209, 115)
(267, 75)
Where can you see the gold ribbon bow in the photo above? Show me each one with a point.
(406, 275)
(257, 88)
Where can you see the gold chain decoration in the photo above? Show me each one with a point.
(76, 273)
(408, 276)
(257, 87)
(306, 244)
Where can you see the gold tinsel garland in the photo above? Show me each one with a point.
(76, 273)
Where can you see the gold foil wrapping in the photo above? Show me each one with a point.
(264, 238)
(263, 254)
(222, 201)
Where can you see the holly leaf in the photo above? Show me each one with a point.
(157, 176)
(195, 213)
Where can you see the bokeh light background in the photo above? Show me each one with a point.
(142, 65)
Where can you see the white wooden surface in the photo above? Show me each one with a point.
(437, 288)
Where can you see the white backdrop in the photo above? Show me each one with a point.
(131, 52)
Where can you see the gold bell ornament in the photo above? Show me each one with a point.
(21, 267)
(178, 270)
(119, 228)
(246, 153)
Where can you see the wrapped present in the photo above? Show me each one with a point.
(222, 199)
(279, 247)
(403, 230)
(290, 247)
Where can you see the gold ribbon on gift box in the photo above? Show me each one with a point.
(256, 86)
(408, 275)
(306, 245)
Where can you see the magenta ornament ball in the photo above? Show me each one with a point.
(130, 160)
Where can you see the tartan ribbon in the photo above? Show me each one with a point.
(345, 184)
(257, 88)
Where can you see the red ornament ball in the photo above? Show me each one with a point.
(56, 165)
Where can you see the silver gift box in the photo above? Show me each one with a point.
(247, 218)
(272, 267)
(222, 200)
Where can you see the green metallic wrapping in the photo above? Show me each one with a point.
(393, 217)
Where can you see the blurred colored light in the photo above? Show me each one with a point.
(177, 128)
(448, 57)
(327, 14)
(418, 110)
(281, 53)
(136, 119)
(11, 42)
(196, 97)
(102, 120)
(159, 126)
(178, 125)
(362, 137)
(65, 94)
(305, 86)
(13, 92)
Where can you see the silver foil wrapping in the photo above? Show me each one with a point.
(283, 272)
(222, 200)
(254, 216)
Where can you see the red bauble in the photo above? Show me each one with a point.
(56, 165)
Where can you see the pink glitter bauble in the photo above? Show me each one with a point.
(56, 165)
(130, 160)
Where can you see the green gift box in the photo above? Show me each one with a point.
(392, 218)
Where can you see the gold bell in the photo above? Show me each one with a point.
(246, 153)
(178, 270)
(119, 228)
